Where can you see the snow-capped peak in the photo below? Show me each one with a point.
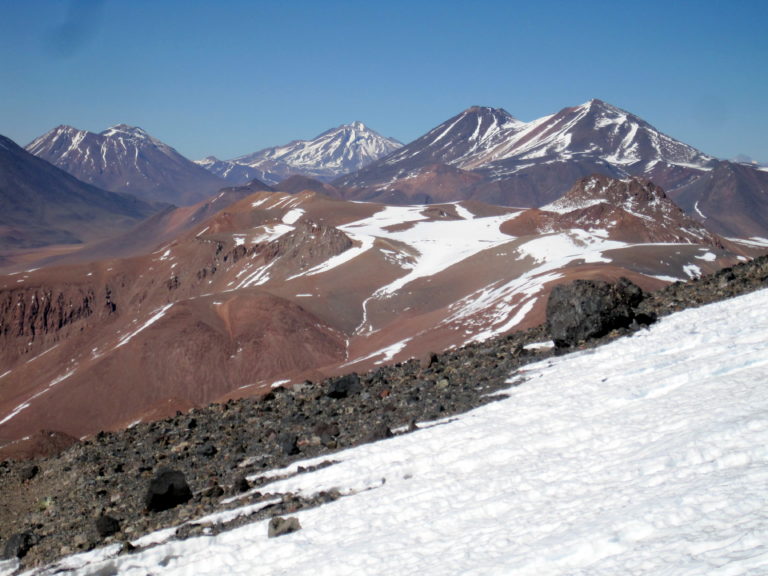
(126, 158)
(595, 130)
(337, 151)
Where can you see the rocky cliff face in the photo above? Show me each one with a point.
(36, 317)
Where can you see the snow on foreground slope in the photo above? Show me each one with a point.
(646, 456)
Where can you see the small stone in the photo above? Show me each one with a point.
(28, 472)
(427, 360)
(207, 450)
(280, 526)
(107, 525)
(166, 490)
(18, 545)
(345, 386)
(288, 443)
(380, 432)
(241, 484)
(441, 384)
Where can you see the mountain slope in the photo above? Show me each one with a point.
(289, 287)
(43, 205)
(731, 199)
(333, 153)
(127, 159)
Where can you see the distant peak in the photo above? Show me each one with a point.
(357, 125)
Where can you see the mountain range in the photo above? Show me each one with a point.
(485, 154)
(464, 232)
(482, 154)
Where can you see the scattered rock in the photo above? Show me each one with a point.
(19, 544)
(207, 450)
(288, 443)
(327, 431)
(166, 490)
(107, 525)
(280, 526)
(380, 432)
(241, 485)
(214, 490)
(345, 386)
(82, 542)
(427, 360)
(29, 472)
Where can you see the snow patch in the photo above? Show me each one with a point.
(292, 216)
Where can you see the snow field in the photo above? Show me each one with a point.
(646, 456)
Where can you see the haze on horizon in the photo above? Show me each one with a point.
(231, 78)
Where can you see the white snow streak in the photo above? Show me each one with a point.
(159, 313)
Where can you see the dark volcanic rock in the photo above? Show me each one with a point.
(589, 309)
(345, 386)
(29, 472)
(167, 489)
(107, 525)
(19, 544)
(288, 443)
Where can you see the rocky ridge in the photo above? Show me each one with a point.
(55, 506)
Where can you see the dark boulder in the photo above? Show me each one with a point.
(19, 544)
(107, 525)
(241, 484)
(345, 386)
(327, 431)
(378, 432)
(587, 309)
(288, 443)
(166, 490)
(28, 472)
(208, 450)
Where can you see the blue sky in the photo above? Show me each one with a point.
(231, 77)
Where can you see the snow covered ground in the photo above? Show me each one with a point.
(646, 456)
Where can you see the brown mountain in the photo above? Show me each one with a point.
(127, 159)
(731, 199)
(283, 287)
